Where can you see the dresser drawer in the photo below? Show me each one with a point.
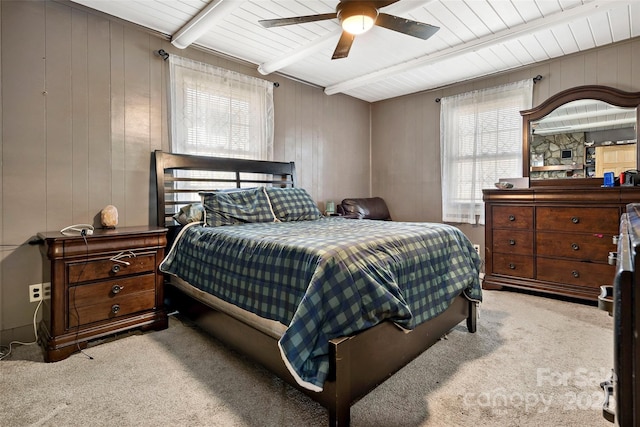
(586, 220)
(582, 246)
(105, 268)
(96, 302)
(585, 274)
(520, 217)
(513, 265)
(513, 242)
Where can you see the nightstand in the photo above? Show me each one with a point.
(100, 286)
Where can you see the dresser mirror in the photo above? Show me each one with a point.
(579, 134)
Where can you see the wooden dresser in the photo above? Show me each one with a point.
(553, 239)
(105, 284)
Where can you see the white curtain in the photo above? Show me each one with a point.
(480, 142)
(219, 112)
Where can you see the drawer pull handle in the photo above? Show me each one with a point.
(512, 217)
(512, 242)
(575, 246)
(116, 289)
(115, 268)
(575, 274)
(575, 220)
(605, 299)
(607, 387)
(512, 266)
(115, 308)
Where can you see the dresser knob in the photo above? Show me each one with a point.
(115, 268)
(115, 308)
(575, 274)
(512, 217)
(575, 246)
(116, 288)
(512, 266)
(575, 220)
(512, 242)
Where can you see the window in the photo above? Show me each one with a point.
(480, 142)
(218, 112)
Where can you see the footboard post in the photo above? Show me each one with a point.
(473, 316)
(339, 383)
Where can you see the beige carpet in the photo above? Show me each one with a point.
(534, 361)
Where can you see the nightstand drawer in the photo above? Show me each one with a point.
(105, 268)
(118, 289)
(110, 309)
(112, 298)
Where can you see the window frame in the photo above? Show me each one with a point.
(472, 138)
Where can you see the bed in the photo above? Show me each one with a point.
(333, 306)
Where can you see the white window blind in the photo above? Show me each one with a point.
(480, 142)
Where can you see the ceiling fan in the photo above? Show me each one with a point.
(357, 17)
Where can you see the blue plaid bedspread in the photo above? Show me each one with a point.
(329, 278)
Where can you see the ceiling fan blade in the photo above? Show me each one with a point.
(280, 22)
(344, 45)
(406, 26)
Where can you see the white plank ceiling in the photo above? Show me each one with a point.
(476, 38)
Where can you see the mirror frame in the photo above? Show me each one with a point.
(607, 94)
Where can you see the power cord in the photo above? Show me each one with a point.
(4, 355)
(74, 230)
(83, 233)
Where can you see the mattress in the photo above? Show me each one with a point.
(270, 327)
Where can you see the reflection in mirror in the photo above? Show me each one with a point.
(583, 139)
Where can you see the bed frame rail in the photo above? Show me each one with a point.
(358, 363)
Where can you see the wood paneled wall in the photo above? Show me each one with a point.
(84, 106)
(406, 130)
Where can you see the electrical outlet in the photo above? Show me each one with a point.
(46, 290)
(477, 248)
(35, 292)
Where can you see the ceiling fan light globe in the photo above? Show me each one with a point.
(356, 17)
(357, 24)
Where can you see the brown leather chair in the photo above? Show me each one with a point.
(364, 208)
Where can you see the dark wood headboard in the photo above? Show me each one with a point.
(239, 173)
